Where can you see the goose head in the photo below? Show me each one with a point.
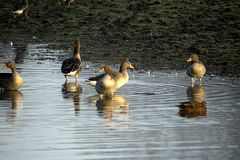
(10, 64)
(105, 68)
(193, 58)
(126, 65)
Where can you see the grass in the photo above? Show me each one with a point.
(152, 33)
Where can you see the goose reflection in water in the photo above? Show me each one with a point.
(196, 105)
(72, 91)
(110, 107)
(15, 98)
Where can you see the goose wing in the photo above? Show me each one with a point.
(71, 65)
(5, 79)
(98, 77)
(20, 6)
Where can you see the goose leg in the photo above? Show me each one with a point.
(66, 77)
(200, 81)
(26, 13)
(76, 77)
(101, 96)
(193, 80)
(14, 16)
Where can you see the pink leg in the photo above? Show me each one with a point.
(193, 80)
(200, 81)
(66, 77)
(76, 77)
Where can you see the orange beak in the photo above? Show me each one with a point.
(101, 70)
(131, 67)
(189, 59)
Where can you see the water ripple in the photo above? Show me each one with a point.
(49, 120)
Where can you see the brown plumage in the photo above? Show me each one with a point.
(108, 69)
(110, 81)
(20, 9)
(67, 2)
(10, 81)
(72, 66)
(195, 69)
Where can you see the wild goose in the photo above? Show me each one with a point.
(67, 2)
(20, 8)
(110, 81)
(72, 66)
(10, 81)
(195, 69)
(92, 81)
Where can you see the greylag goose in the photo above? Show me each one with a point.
(20, 8)
(92, 81)
(67, 2)
(110, 81)
(72, 66)
(10, 81)
(195, 69)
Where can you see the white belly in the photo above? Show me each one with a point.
(72, 73)
(18, 12)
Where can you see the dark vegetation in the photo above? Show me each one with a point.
(154, 34)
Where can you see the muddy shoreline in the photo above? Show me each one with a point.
(153, 34)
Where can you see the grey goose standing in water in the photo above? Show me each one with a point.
(110, 81)
(72, 66)
(20, 8)
(195, 69)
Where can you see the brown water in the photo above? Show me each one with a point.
(47, 119)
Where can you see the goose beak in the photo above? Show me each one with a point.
(131, 67)
(189, 59)
(101, 70)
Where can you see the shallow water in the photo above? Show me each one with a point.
(47, 119)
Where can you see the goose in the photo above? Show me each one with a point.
(110, 81)
(72, 66)
(92, 81)
(195, 69)
(20, 8)
(68, 2)
(122, 76)
(10, 81)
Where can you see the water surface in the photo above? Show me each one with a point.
(48, 119)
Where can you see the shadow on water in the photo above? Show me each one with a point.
(110, 106)
(72, 91)
(15, 98)
(196, 104)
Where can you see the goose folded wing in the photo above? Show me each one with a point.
(5, 78)
(19, 6)
(71, 65)
(96, 78)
